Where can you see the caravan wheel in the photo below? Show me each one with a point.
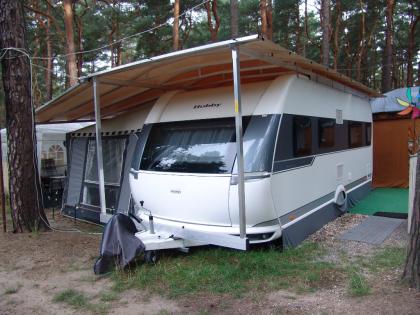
(151, 257)
(341, 198)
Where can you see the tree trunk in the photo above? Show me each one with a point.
(305, 28)
(373, 83)
(234, 27)
(387, 54)
(263, 15)
(298, 32)
(187, 20)
(325, 25)
(2, 194)
(79, 58)
(269, 16)
(411, 44)
(349, 65)
(394, 71)
(412, 265)
(71, 66)
(175, 28)
(24, 185)
(337, 33)
(361, 41)
(48, 73)
(368, 44)
(211, 9)
(119, 54)
(111, 41)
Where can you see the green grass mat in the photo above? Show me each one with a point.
(384, 200)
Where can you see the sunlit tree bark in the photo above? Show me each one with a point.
(325, 25)
(70, 56)
(175, 28)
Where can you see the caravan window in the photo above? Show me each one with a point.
(198, 146)
(113, 158)
(326, 132)
(302, 136)
(209, 146)
(355, 134)
(368, 133)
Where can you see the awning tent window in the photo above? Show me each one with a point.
(113, 157)
(56, 152)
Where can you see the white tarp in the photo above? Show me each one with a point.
(50, 137)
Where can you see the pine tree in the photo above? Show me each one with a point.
(24, 186)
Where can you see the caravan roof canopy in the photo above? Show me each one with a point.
(126, 87)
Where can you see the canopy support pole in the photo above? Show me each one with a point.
(239, 140)
(100, 162)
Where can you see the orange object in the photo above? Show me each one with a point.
(406, 111)
(391, 151)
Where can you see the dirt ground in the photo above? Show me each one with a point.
(35, 267)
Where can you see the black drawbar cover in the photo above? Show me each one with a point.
(119, 246)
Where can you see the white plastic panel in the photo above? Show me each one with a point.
(209, 103)
(307, 97)
(258, 202)
(294, 188)
(184, 197)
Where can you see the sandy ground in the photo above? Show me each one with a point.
(38, 266)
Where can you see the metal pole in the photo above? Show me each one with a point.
(98, 129)
(239, 140)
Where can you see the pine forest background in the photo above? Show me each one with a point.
(373, 41)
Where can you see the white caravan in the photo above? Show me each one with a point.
(307, 153)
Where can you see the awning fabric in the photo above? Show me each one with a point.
(129, 86)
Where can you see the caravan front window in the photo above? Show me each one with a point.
(208, 146)
(200, 146)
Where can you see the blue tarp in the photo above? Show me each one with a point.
(389, 102)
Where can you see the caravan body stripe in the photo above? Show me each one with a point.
(325, 203)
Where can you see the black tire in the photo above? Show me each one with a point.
(151, 257)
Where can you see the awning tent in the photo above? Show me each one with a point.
(109, 94)
(50, 141)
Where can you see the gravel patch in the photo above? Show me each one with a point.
(337, 249)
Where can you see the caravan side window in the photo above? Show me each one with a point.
(326, 133)
(302, 136)
(355, 134)
(368, 133)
